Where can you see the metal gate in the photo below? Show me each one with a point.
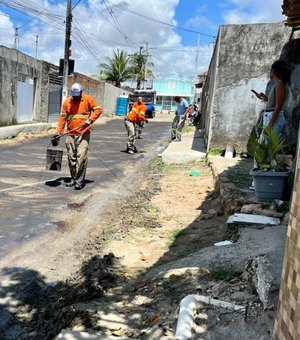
(54, 98)
(25, 99)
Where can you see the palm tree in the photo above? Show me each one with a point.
(138, 69)
(117, 69)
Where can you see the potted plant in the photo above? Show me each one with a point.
(270, 176)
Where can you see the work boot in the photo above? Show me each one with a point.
(79, 186)
(71, 183)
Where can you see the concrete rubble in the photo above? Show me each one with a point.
(252, 219)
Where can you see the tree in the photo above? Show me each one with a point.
(117, 69)
(138, 69)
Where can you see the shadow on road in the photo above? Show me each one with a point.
(31, 308)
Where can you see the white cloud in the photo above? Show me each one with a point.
(96, 33)
(200, 21)
(7, 30)
(254, 11)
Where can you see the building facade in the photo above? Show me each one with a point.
(31, 89)
(167, 89)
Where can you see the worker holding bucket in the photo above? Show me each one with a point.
(79, 111)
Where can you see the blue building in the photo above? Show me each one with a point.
(168, 88)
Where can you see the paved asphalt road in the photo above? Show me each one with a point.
(35, 201)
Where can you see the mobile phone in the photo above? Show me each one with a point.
(255, 92)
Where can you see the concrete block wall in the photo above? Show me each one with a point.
(13, 63)
(90, 86)
(241, 61)
(106, 94)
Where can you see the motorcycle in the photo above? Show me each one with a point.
(195, 116)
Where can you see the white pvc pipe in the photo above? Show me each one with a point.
(187, 311)
(186, 318)
(229, 151)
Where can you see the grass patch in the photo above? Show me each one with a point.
(174, 234)
(235, 192)
(223, 273)
(283, 208)
(200, 165)
(232, 233)
(240, 179)
(216, 152)
(189, 128)
(150, 230)
(152, 212)
(158, 163)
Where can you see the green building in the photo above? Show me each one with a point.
(168, 88)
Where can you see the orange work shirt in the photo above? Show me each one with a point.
(74, 114)
(137, 113)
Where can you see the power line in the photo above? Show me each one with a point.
(76, 4)
(84, 41)
(105, 17)
(96, 37)
(163, 22)
(36, 16)
(28, 8)
(110, 11)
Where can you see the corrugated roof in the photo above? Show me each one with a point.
(291, 9)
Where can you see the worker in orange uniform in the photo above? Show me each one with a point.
(134, 119)
(139, 127)
(79, 111)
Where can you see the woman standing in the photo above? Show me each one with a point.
(273, 116)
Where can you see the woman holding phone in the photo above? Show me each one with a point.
(273, 116)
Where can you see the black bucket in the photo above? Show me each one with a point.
(54, 158)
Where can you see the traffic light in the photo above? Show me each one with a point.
(61, 67)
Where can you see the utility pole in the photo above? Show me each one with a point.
(197, 55)
(36, 45)
(138, 83)
(146, 65)
(16, 45)
(196, 66)
(67, 47)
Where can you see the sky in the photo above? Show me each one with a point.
(177, 36)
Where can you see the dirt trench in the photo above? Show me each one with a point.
(175, 212)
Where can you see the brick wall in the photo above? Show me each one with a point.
(287, 323)
(106, 94)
